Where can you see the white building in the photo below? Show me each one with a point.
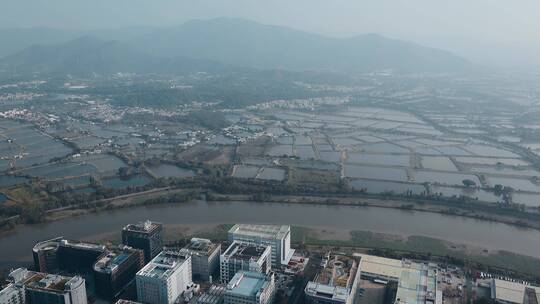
(244, 256)
(165, 278)
(278, 237)
(337, 283)
(506, 292)
(204, 258)
(250, 288)
(30, 287)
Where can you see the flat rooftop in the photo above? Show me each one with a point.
(513, 292)
(380, 266)
(264, 231)
(338, 271)
(244, 251)
(143, 227)
(82, 245)
(164, 264)
(247, 284)
(43, 281)
(203, 246)
(111, 260)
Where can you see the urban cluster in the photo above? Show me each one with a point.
(255, 266)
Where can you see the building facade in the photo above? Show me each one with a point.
(337, 283)
(244, 256)
(278, 237)
(38, 288)
(250, 288)
(204, 258)
(165, 278)
(146, 236)
(115, 271)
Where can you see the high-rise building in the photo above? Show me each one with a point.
(115, 271)
(244, 256)
(38, 288)
(250, 288)
(204, 258)
(337, 283)
(278, 237)
(70, 256)
(165, 278)
(146, 236)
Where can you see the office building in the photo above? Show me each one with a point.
(244, 256)
(165, 278)
(337, 283)
(64, 255)
(417, 282)
(204, 258)
(146, 236)
(278, 237)
(250, 288)
(38, 288)
(505, 292)
(115, 270)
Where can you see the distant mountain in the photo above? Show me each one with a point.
(15, 40)
(246, 43)
(92, 55)
(218, 43)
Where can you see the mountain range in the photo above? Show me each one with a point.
(216, 44)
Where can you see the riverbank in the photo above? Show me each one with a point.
(352, 240)
(402, 229)
(410, 205)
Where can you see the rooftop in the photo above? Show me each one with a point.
(247, 284)
(512, 292)
(144, 227)
(336, 279)
(110, 261)
(338, 271)
(244, 251)
(264, 231)
(43, 281)
(417, 283)
(201, 245)
(164, 264)
(380, 266)
(81, 245)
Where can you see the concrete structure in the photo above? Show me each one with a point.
(278, 237)
(165, 278)
(146, 236)
(417, 282)
(31, 287)
(214, 295)
(71, 256)
(250, 288)
(204, 258)
(115, 270)
(12, 295)
(505, 292)
(337, 283)
(244, 256)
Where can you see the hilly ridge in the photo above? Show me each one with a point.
(207, 45)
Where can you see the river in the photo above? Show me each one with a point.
(17, 245)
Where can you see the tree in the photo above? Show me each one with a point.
(469, 183)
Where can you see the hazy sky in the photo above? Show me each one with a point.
(486, 30)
